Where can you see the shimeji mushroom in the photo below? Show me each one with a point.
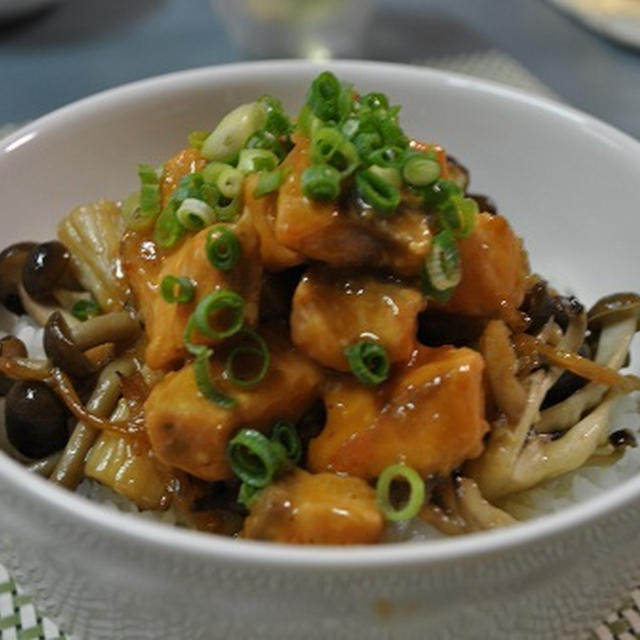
(69, 469)
(12, 260)
(65, 345)
(35, 419)
(522, 455)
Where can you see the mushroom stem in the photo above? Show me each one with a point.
(45, 466)
(41, 312)
(69, 469)
(117, 326)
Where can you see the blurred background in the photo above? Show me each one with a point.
(583, 52)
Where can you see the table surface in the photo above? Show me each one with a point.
(83, 46)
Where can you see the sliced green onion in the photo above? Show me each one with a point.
(253, 458)
(278, 122)
(177, 289)
(227, 179)
(202, 373)
(223, 248)
(252, 160)
(233, 131)
(388, 174)
(307, 122)
(286, 434)
(390, 156)
(258, 356)
(324, 144)
(459, 216)
(420, 170)
(266, 141)
(222, 304)
(168, 229)
(438, 193)
(195, 214)
(377, 192)
(134, 217)
(329, 146)
(147, 174)
(321, 182)
(367, 142)
(196, 138)
(415, 499)
(443, 271)
(191, 347)
(149, 190)
(150, 198)
(375, 101)
(227, 209)
(189, 186)
(328, 99)
(230, 182)
(268, 182)
(247, 494)
(368, 361)
(85, 309)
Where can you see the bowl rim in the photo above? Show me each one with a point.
(251, 553)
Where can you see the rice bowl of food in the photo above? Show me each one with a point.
(312, 351)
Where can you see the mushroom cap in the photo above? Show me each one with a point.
(615, 307)
(44, 267)
(12, 260)
(36, 420)
(61, 348)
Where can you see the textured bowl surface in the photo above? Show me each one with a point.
(569, 186)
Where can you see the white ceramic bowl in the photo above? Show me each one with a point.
(568, 184)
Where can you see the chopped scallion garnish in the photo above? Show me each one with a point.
(368, 361)
(177, 289)
(194, 214)
(268, 182)
(414, 500)
(247, 364)
(443, 271)
(286, 434)
(223, 248)
(220, 314)
(202, 373)
(254, 458)
(321, 182)
(168, 229)
(420, 170)
(252, 160)
(459, 216)
(377, 192)
(85, 309)
(233, 131)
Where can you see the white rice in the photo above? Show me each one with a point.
(552, 496)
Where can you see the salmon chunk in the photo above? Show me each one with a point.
(304, 508)
(332, 310)
(347, 237)
(494, 267)
(429, 415)
(274, 255)
(191, 433)
(187, 161)
(141, 260)
(166, 322)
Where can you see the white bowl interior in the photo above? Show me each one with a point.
(567, 183)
